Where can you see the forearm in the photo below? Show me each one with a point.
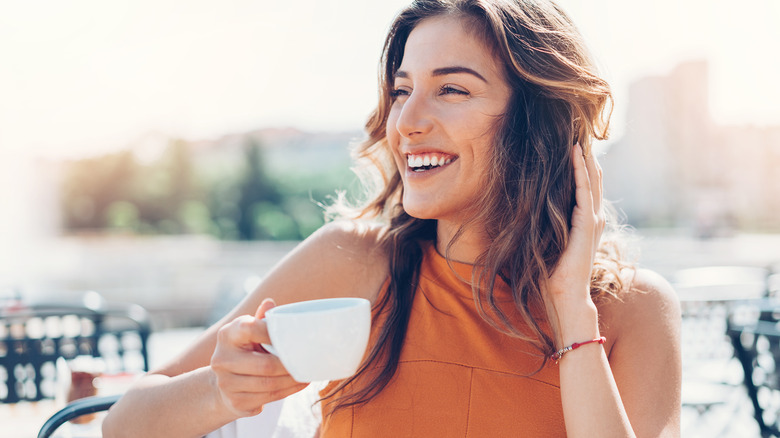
(187, 405)
(591, 401)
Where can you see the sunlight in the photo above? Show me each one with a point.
(88, 76)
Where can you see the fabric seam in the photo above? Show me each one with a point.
(468, 410)
(471, 367)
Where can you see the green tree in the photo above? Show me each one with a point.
(93, 185)
(256, 193)
(166, 190)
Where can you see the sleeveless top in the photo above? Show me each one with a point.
(457, 375)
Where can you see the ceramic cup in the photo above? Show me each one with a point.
(320, 339)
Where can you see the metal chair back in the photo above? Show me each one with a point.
(33, 338)
(755, 335)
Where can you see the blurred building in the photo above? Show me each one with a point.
(676, 167)
(287, 151)
(29, 213)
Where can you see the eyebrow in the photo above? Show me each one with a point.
(443, 71)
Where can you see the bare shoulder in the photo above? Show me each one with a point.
(343, 258)
(648, 288)
(647, 303)
(355, 241)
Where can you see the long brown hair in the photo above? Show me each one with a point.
(557, 100)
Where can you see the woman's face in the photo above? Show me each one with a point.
(448, 95)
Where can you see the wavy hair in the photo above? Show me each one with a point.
(557, 100)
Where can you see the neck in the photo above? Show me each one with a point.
(466, 248)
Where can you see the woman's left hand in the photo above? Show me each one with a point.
(569, 284)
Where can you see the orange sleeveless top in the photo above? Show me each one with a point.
(457, 375)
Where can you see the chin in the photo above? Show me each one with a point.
(420, 210)
(419, 213)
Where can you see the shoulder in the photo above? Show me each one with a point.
(347, 245)
(351, 235)
(647, 303)
(642, 326)
(343, 258)
(647, 288)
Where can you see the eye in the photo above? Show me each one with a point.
(400, 92)
(451, 89)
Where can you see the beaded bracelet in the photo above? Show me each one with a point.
(559, 354)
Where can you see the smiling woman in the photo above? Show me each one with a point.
(448, 96)
(500, 305)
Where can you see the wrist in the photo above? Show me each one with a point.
(577, 322)
(559, 354)
(219, 405)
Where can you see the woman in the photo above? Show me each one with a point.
(481, 252)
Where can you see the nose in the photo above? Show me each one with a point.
(415, 117)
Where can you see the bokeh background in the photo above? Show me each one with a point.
(168, 153)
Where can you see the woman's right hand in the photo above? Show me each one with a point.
(245, 375)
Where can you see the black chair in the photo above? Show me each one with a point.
(34, 337)
(75, 409)
(712, 385)
(756, 341)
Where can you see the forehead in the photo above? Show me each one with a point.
(447, 41)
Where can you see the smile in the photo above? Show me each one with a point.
(427, 161)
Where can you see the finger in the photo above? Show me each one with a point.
(594, 176)
(251, 364)
(244, 332)
(582, 192)
(287, 391)
(251, 403)
(258, 384)
(265, 306)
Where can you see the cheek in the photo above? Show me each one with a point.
(393, 139)
(390, 128)
(483, 159)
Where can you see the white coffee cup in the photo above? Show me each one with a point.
(320, 339)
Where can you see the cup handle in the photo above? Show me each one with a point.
(269, 348)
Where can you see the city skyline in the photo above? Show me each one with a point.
(679, 167)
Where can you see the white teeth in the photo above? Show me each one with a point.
(415, 161)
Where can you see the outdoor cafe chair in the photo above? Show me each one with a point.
(76, 409)
(34, 337)
(755, 335)
(711, 372)
(297, 415)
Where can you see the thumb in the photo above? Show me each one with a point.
(265, 306)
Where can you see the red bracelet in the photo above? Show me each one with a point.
(559, 354)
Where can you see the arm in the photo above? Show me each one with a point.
(222, 376)
(645, 355)
(619, 396)
(635, 389)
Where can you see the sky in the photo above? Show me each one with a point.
(83, 77)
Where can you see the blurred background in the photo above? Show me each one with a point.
(168, 153)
